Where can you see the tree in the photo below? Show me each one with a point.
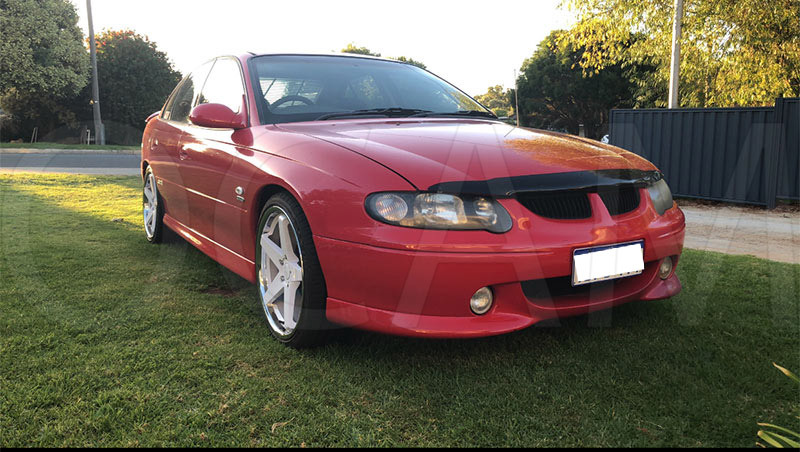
(42, 62)
(351, 48)
(555, 93)
(500, 101)
(135, 79)
(416, 63)
(734, 52)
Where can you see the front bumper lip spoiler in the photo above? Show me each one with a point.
(492, 324)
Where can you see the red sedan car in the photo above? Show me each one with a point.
(371, 193)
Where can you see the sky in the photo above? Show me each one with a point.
(471, 44)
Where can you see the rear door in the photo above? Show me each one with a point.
(165, 144)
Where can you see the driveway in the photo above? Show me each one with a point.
(768, 234)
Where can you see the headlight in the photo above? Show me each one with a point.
(439, 211)
(661, 196)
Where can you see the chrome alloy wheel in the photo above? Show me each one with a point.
(280, 278)
(150, 209)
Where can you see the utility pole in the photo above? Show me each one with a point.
(99, 130)
(516, 97)
(675, 74)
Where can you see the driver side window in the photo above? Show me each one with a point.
(224, 85)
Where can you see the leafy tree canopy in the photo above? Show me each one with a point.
(734, 52)
(554, 92)
(42, 62)
(499, 100)
(416, 63)
(352, 48)
(134, 77)
(41, 48)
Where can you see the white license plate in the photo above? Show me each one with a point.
(603, 263)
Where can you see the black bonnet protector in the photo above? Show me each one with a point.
(587, 181)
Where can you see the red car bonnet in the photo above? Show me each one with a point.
(431, 151)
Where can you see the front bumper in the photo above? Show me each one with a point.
(426, 294)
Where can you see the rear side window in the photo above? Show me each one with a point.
(224, 85)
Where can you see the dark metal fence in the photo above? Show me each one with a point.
(749, 155)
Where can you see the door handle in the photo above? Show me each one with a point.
(183, 154)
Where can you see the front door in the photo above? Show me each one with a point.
(211, 164)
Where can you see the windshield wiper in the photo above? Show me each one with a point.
(394, 111)
(477, 113)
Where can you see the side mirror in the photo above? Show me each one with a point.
(217, 116)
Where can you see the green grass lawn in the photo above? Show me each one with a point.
(44, 145)
(106, 340)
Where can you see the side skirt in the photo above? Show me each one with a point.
(232, 261)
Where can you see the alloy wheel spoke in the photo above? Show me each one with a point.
(274, 290)
(289, 298)
(272, 250)
(148, 193)
(294, 272)
(286, 239)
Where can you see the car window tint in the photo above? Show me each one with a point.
(185, 96)
(182, 103)
(224, 85)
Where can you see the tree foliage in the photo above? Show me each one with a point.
(352, 48)
(134, 77)
(499, 100)
(734, 52)
(555, 93)
(42, 60)
(412, 61)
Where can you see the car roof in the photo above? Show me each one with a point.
(332, 54)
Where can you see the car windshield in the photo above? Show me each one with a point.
(294, 88)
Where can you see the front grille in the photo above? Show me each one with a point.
(560, 206)
(620, 200)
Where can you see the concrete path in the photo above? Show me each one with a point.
(72, 162)
(773, 235)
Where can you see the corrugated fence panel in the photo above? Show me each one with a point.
(789, 153)
(730, 154)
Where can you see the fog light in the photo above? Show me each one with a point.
(665, 269)
(481, 302)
